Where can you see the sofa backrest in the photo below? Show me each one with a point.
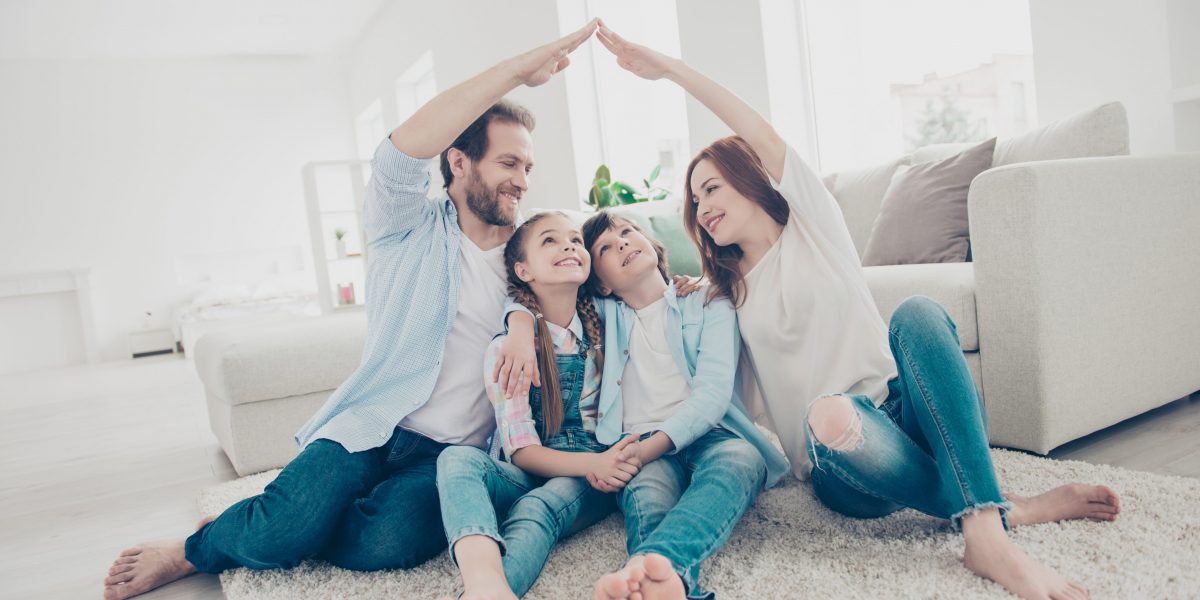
(1100, 131)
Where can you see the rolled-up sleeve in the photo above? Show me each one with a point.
(396, 198)
(515, 427)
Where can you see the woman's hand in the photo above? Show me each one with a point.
(616, 466)
(537, 66)
(516, 364)
(686, 286)
(637, 59)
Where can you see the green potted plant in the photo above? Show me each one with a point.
(606, 191)
(339, 242)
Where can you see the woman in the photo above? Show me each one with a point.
(885, 417)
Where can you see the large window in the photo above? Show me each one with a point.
(630, 124)
(888, 77)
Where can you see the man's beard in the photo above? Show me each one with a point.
(485, 203)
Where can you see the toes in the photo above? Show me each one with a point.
(611, 587)
(658, 567)
(118, 578)
(119, 569)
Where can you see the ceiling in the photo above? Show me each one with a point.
(108, 29)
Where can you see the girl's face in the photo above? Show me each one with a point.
(554, 253)
(723, 212)
(623, 257)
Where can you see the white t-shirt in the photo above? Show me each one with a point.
(652, 387)
(458, 411)
(809, 324)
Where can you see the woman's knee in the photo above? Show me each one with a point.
(919, 310)
(835, 423)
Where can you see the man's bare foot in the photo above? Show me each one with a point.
(1065, 502)
(620, 585)
(991, 554)
(645, 577)
(145, 567)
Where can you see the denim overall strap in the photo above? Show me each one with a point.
(571, 435)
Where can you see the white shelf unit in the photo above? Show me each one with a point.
(334, 193)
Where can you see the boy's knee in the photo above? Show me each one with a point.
(835, 423)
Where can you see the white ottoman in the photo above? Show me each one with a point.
(263, 382)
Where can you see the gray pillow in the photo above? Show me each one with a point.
(923, 217)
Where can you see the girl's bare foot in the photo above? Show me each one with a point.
(482, 570)
(145, 567)
(991, 554)
(1065, 502)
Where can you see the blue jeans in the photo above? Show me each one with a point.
(684, 505)
(376, 509)
(926, 446)
(477, 490)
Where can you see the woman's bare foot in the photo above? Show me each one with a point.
(1065, 502)
(645, 577)
(991, 554)
(145, 567)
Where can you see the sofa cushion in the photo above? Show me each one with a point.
(923, 218)
(859, 194)
(1101, 131)
(276, 360)
(950, 284)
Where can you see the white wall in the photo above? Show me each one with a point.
(466, 41)
(128, 166)
(1089, 52)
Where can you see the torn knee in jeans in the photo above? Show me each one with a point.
(835, 423)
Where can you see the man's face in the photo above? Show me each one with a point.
(495, 183)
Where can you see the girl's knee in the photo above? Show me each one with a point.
(835, 423)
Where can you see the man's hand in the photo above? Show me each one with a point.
(537, 66)
(516, 365)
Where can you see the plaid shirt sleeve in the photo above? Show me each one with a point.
(515, 428)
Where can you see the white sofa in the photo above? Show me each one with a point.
(1081, 308)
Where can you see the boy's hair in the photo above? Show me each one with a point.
(552, 403)
(473, 141)
(603, 221)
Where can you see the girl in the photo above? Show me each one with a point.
(885, 417)
(548, 436)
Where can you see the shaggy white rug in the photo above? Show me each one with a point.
(790, 546)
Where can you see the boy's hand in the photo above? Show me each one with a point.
(616, 466)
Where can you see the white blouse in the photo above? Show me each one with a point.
(809, 324)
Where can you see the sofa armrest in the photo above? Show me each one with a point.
(1087, 275)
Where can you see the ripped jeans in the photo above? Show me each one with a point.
(925, 447)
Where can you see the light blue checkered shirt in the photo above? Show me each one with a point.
(413, 275)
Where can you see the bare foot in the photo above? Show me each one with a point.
(1065, 502)
(145, 567)
(621, 585)
(991, 554)
(662, 582)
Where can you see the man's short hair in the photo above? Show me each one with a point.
(473, 141)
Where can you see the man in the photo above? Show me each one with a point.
(362, 494)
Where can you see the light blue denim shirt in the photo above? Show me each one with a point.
(413, 275)
(705, 343)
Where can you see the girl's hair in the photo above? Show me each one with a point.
(602, 221)
(742, 168)
(552, 403)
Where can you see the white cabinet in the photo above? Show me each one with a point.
(334, 192)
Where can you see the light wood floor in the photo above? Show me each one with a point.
(96, 458)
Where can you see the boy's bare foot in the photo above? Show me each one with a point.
(620, 585)
(991, 554)
(1065, 502)
(645, 577)
(145, 567)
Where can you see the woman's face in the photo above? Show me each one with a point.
(723, 212)
(554, 253)
(623, 257)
